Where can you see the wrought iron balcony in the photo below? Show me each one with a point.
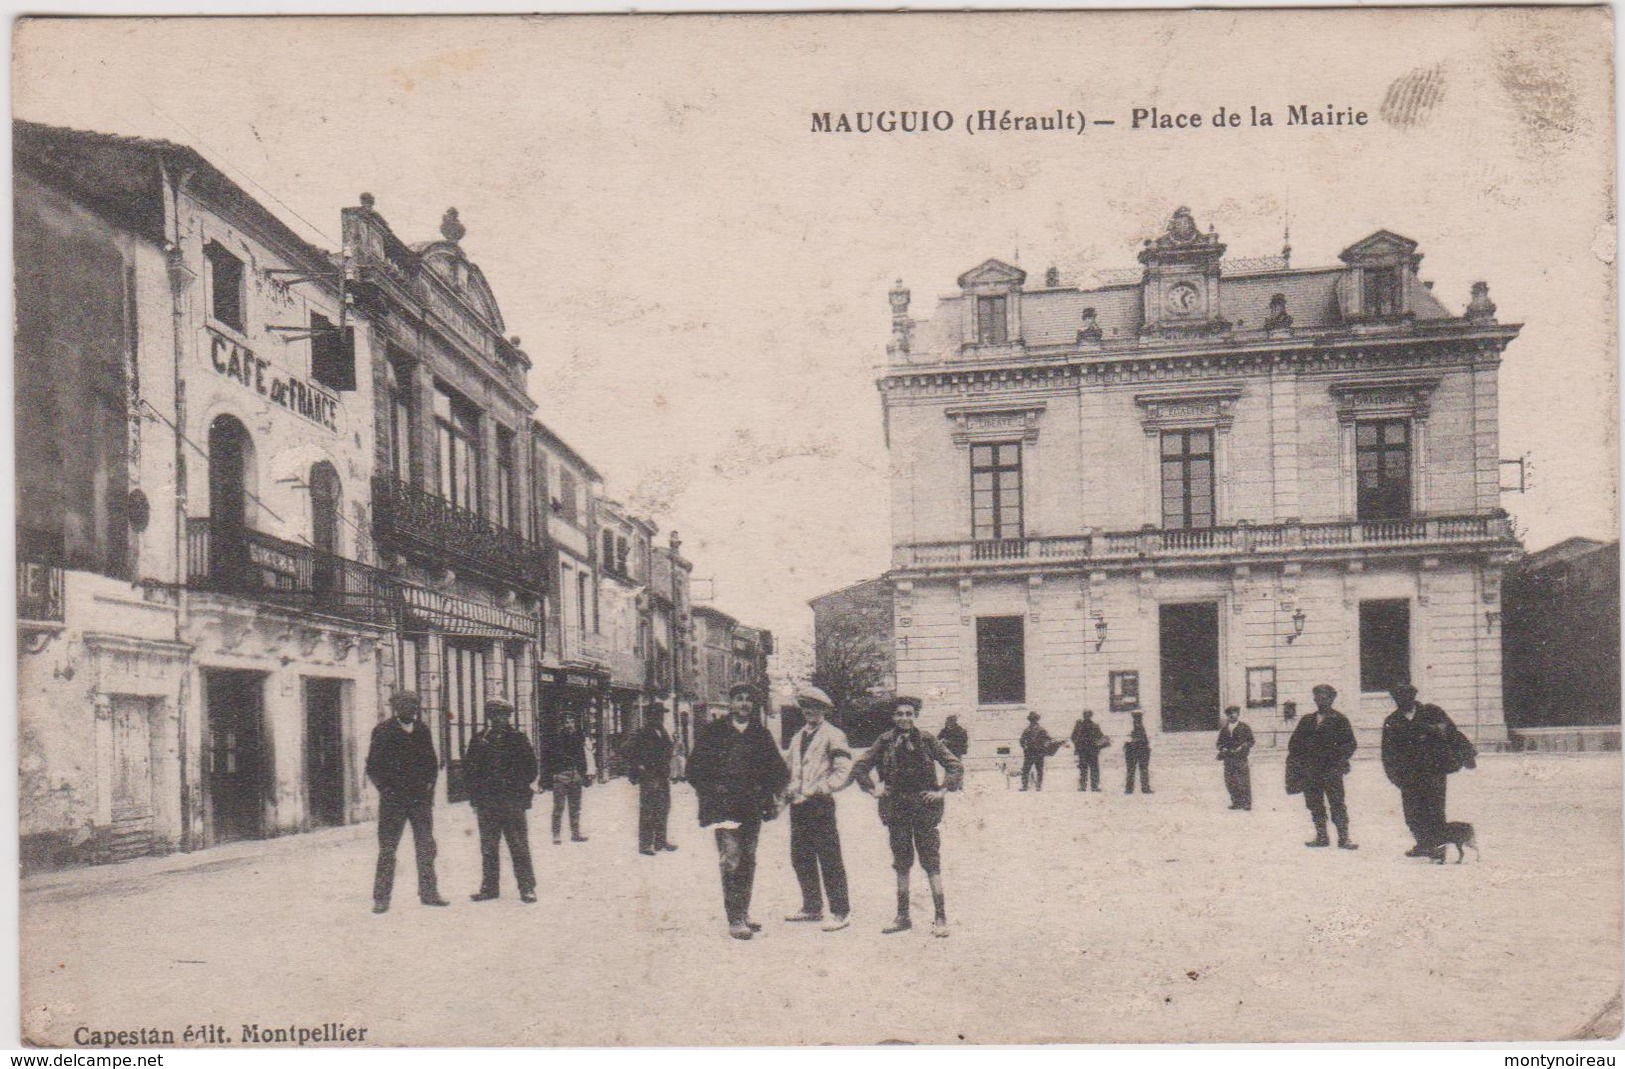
(39, 593)
(1241, 541)
(408, 518)
(252, 564)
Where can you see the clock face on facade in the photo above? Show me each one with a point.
(1183, 298)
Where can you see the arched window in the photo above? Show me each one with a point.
(231, 453)
(325, 502)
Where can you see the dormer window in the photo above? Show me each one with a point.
(1381, 294)
(992, 320)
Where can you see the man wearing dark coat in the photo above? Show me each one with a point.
(737, 773)
(649, 768)
(911, 805)
(564, 769)
(1036, 745)
(500, 766)
(1317, 759)
(954, 736)
(1421, 747)
(1137, 755)
(1087, 742)
(402, 765)
(1235, 742)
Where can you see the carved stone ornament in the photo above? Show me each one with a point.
(342, 644)
(1089, 329)
(1278, 319)
(309, 639)
(1405, 397)
(1175, 410)
(452, 228)
(1481, 309)
(996, 424)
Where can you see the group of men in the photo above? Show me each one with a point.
(742, 778)
(1087, 741)
(1421, 748)
(498, 768)
(739, 773)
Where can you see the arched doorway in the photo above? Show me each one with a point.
(230, 453)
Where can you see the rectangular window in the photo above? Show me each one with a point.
(992, 323)
(1187, 480)
(995, 490)
(1001, 660)
(1385, 644)
(567, 494)
(581, 601)
(621, 551)
(608, 551)
(225, 285)
(332, 354)
(506, 489)
(1382, 467)
(1380, 292)
(457, 428)
(401, 418)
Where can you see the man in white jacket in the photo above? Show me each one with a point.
(820, 764)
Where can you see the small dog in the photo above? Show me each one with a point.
(1457, 833)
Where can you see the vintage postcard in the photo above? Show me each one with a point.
(600, 519)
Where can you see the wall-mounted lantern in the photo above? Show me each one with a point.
(1100, 634)
(1299, 618)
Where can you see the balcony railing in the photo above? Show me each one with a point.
(252, 564)
(408, 517)
(1211, 542)
(39, 592)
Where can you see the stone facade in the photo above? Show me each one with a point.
(1220, 484)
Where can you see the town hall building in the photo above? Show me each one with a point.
(1217, 483)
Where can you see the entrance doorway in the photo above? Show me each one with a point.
(1190, 666)
(133, 771)
(324, 751)
(462, 696)
(235, 767)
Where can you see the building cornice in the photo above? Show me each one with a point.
(1182, 364)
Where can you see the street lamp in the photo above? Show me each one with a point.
(1100, 634)
(1299, 618)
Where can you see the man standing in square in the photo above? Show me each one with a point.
(1317, 759)
(820, 764)
(1235, 743)
(738, 772)
(402, 765)
(1035, 746)
(1421, 748)
(911, 805)
(500, 766)
(649, 758)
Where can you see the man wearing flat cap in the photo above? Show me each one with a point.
(500, 766)
(820, 763)
(911, 804)
(649, 768)
(1421, 748)
(1317, 759)
(738, 773)
(402, 765)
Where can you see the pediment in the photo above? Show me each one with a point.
(992, 272)
(1383, 247)
(448, 263)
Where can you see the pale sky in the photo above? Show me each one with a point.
(701, 280)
